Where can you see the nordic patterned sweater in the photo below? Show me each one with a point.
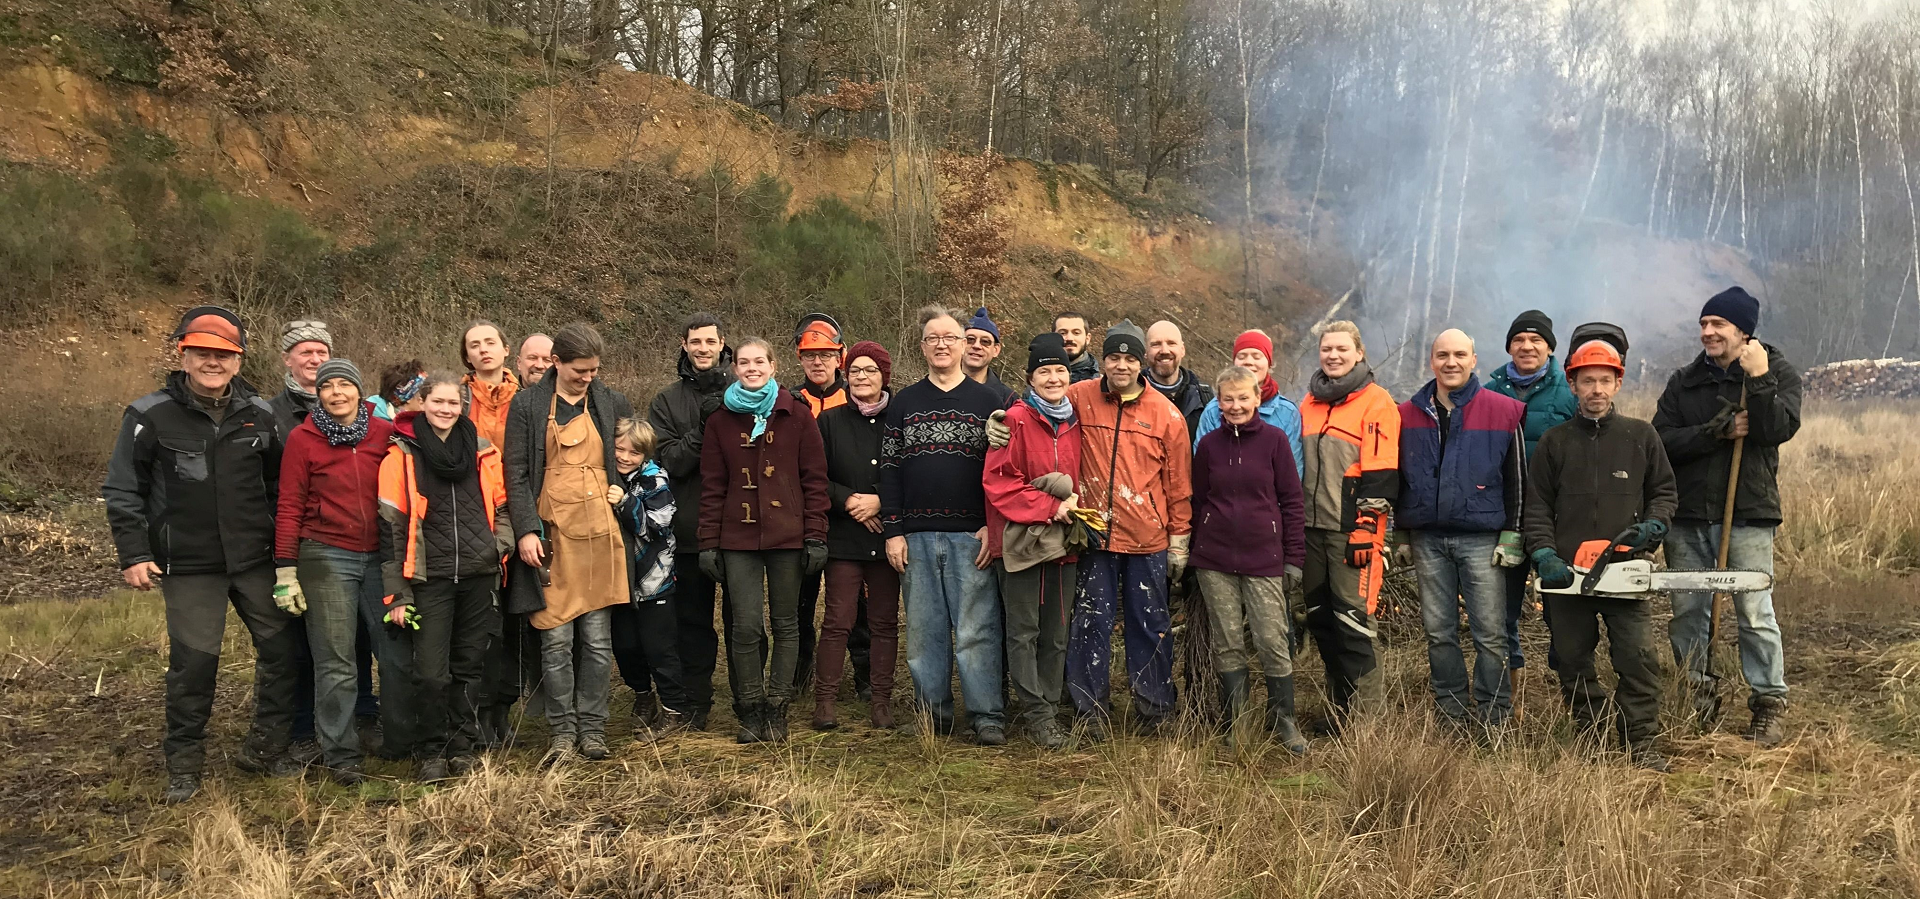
(933, 457)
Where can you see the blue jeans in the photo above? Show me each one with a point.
(334, 580)
(1455, 570)
(953, 615)
(1762, 660)
(1110, 583)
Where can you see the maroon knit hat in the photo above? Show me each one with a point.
(879, 356)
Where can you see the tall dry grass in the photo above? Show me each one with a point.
(1847, 483)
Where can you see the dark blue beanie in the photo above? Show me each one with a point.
(980, 322)
(1736, 306)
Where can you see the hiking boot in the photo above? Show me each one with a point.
(1093, 728)
(1047, 735)
(646, 709)
(304, 753)
(432, 770)
(1649, 758)
(255, 760)
(1765, 728)
(697, 719)
(594, 747)
(180, 788)
(559, 751)
(990, 735)
(463, 765)
(1233, 698)
(1145, 726)
(753, 725)
(823, 715)
(373, 738)
(775, 718)
(863, 692)
(1280, 715)
(671, 722)
(1704, 702)
(349, 776)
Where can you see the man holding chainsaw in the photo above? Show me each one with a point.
(1599, 481)
(1738, 400)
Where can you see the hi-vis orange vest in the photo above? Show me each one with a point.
(403, 508)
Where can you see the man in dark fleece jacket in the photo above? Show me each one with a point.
(190, 496)
(1591, 479)
(933, 508)
(679, 416)
(1736, 388)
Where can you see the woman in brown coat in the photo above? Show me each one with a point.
(763, 529)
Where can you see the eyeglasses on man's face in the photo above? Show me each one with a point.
(940, 340)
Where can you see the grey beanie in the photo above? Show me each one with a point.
(338, 368)
(1125, 337)
(303, 330)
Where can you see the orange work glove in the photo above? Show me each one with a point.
(1363, 542)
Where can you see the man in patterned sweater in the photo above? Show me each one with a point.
(933, 509)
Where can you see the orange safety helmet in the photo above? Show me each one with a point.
(819, 331)
(1596, 352)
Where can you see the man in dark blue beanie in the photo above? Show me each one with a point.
(1737, 392)
(983, 347)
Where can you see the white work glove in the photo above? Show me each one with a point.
(998, 434)
(1177, 556)
(1510, 552)
(286, 591)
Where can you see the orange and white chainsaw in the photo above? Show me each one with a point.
(1607, 568)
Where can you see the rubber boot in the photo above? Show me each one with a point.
(1280, 720)
(1233, 698)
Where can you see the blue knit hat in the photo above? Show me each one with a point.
(980, 322)
(1737, 306)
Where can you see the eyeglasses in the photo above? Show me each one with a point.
(866, 370)
(980, 340)
(940, 340)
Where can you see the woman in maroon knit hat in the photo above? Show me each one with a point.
(857, 560)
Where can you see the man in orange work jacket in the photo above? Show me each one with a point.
(1350, 447)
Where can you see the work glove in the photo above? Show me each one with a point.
(710, 566)
(400, 613)
(1721, 424)
(1177, 556)
(816, 557)
(286, 591)
(1509, 552)
(709, 404)
(998, 434)
(1363, 542)
(1400, 549)
(1290, 579)
(1554, 572)
(1646, 534)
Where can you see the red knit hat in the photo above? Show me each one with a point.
(1257, 340)
(879, 356)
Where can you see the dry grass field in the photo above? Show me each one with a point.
(1392, 809)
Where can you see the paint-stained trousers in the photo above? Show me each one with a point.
(196, 622)
(1109, 584)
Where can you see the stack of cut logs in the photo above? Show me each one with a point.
(1857, 379)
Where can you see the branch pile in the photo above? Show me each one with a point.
(1858, 379)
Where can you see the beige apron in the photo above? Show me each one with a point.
(589, 561)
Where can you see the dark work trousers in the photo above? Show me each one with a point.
(859, 639)
(457, 623)
(645, 638)
(693, 599)
(763, 587)
(1516, 596)
(1342, 628)
(511, 668)
(196, 623)
(854, 589)
(1576, 636)
(1038, 602)
(1110, 585)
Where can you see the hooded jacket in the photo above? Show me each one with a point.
(1034, 447)
(1592, 479)
(189, 495)
(1190, 395)
(330, 493)
(1135, 466)
(488, 404)
(1083, 367)
(1278, 411)
(766, 492)
(1701, 458)
(1352, 455)
(678, 415)
(427, 532)
(1469, 477)
(1549, 400)
(1247, 502)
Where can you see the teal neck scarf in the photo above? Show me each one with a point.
(757, 403)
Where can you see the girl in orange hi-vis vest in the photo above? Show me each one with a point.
(1350, 444)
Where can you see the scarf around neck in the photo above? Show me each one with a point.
(1334, 391)
(873, 408)
(1059, 413)
(338, 434)
(1269, 388)
(1519, 380)
(757, 403)
(454, 459)
(307, 397)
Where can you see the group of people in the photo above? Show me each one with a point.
(519, 530)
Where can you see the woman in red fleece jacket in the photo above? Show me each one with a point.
(327, 555)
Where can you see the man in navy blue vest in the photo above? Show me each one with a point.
(1462, 454)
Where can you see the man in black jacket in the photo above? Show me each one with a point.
(1167, 373)
(679, 418)
(190, 495)
(1736, 388)
(1593, 478)
(1073, 330)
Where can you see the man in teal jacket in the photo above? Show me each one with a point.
(1534, 378)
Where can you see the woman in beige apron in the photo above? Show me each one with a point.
(582, 557)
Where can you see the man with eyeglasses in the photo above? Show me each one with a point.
(983, 346)
(933, 509)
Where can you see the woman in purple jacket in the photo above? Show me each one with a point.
(1248, 542)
